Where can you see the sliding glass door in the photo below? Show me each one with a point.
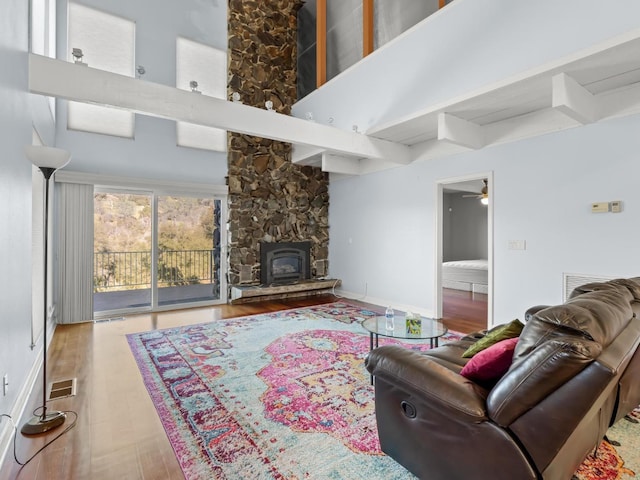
(122, 243)
(188, 255)
(155, 251)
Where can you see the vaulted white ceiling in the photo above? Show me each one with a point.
(600, 81)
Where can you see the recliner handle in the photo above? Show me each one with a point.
(408, 409)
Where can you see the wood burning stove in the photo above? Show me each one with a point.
(284, 262)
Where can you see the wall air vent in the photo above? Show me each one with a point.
(572, 280)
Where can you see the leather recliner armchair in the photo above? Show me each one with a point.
(566, 385)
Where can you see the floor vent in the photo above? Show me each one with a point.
(572, 280)
(109, 319)
(62, 389)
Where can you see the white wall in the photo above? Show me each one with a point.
(466, 45)
(153, 153)
(543, 189)
(18, 112)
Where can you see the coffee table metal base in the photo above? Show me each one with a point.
(427, 329)
(374, 339)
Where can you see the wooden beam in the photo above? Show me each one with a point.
(460, 132)
(57, 78)
(572, 99)
(321, 43)
(367, 27)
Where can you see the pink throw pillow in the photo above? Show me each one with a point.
(491, 363)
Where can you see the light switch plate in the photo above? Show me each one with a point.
(601, 207)
(517, 245)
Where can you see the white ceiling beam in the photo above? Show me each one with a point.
(431, 149)
(79, 83)
(505, 131)
(530, 125)
(337, 164)
(461, 132)
(572, 99)
(621, 102)
(372, 165)
(305, 155)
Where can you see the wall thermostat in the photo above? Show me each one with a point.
(615, 206)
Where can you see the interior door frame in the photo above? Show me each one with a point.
(441, 184)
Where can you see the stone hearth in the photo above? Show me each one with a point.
(251, 293)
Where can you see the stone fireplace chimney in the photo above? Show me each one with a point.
(270, 199)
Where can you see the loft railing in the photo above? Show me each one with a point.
(368, 16)
(131, 270)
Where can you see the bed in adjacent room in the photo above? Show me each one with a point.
(468, 275)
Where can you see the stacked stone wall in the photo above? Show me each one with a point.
(270, 199)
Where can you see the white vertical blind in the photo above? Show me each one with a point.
(75, 227)
(207, 66)
(108, 43)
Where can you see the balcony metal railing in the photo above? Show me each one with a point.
(130, 270)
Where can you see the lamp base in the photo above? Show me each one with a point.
(37, 424)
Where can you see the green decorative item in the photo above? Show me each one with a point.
(503, 332)
(414, 323)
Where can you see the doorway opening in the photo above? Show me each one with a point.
(464, 253)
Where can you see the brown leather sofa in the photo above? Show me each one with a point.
(571, 377)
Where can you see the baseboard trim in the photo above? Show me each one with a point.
(19, 406)
(383, 303)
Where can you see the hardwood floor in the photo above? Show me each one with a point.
(118, 434)
(464, 311)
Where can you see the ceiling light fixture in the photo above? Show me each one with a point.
(140, 70)
(483, 195)
(235, 96)
(269, 105)
(194, 86)
(77, 55)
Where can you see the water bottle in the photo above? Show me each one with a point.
(388, 315)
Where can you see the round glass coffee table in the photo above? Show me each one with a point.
(430, 329)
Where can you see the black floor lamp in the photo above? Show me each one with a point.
(48, 160)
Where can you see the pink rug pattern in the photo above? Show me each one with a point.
(316, 383)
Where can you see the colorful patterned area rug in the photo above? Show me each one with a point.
(286, 396)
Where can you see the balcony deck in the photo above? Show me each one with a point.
(140, 298)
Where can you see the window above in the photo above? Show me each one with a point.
(107, 43)
(207, 66)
